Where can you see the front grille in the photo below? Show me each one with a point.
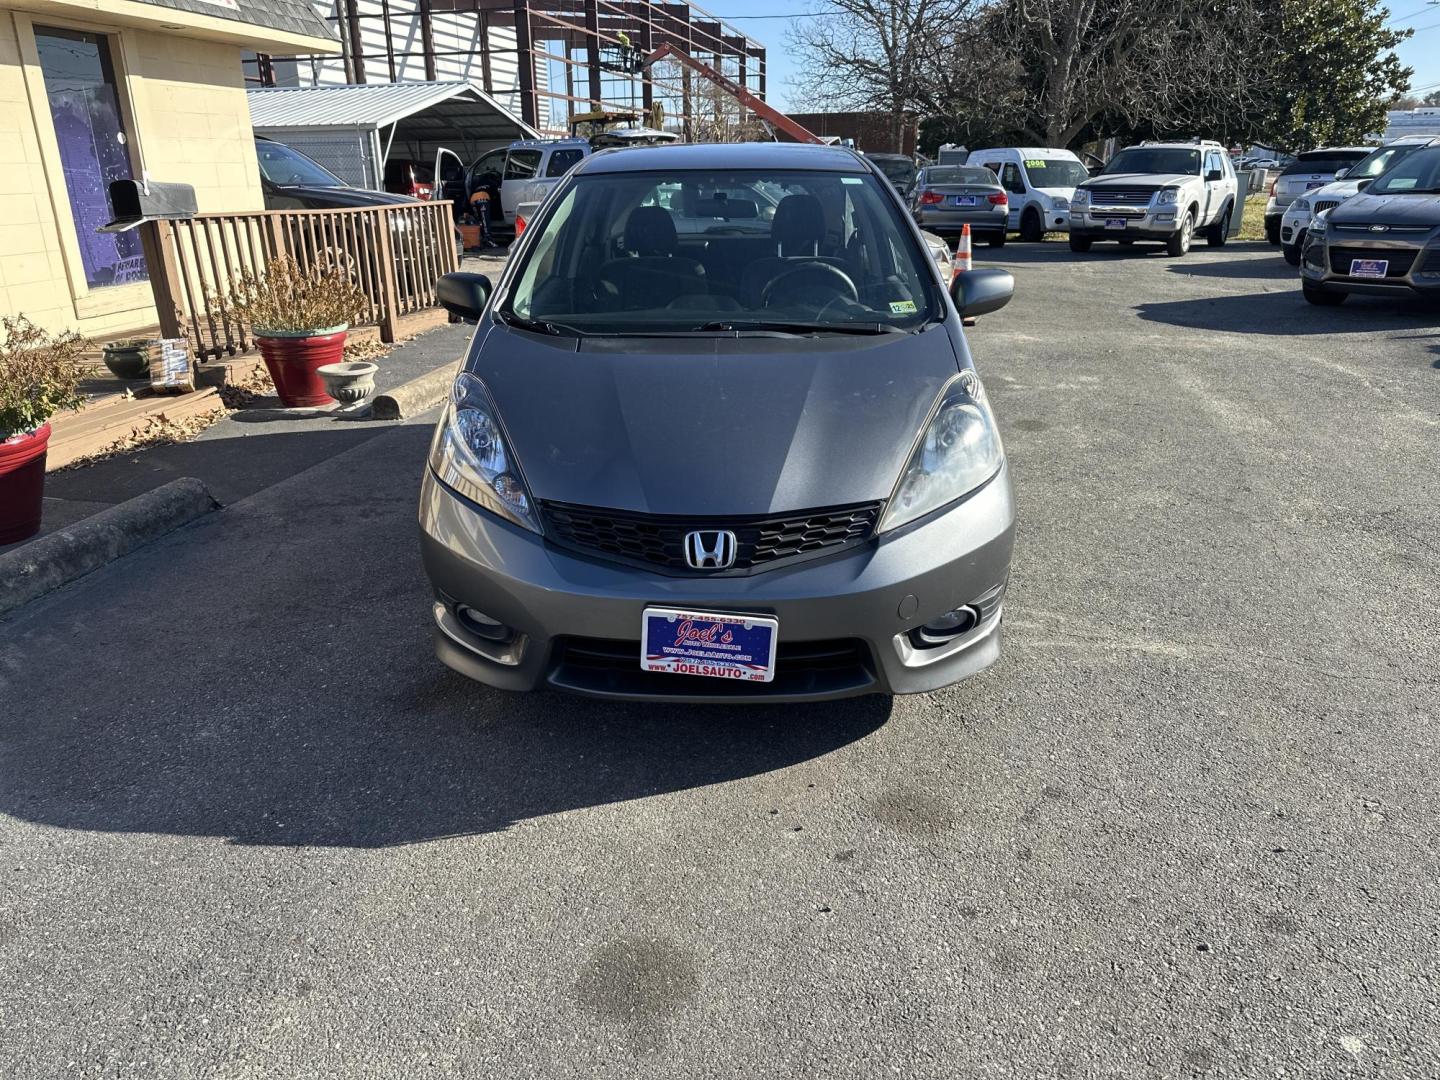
(1121, 196)
(1399, 259)
(1326, 204)
(659, 541)
(604, 666)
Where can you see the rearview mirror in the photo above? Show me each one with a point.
(979, 292)
(463, 294)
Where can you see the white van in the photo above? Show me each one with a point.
(1040, 182)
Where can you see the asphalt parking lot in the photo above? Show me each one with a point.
(249, 827)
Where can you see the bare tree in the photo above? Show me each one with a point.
(875, 54)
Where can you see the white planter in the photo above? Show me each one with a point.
(350, 381)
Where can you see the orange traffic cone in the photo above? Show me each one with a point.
(964, 260)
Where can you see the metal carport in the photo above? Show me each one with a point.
(354, 130)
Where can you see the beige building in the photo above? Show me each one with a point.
(97, 90)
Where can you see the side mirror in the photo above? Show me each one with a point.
(1362, 185)
(463, 294)
(979, 292)
(1340, 173)
(1213, 175)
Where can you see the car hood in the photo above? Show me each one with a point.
(1056, 192)
(713, 426)
(1366, 209)
(1340, 189)
(1131, 179)
(344, 196)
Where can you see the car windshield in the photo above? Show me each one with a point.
(1413, 174)
(833, 255)
(896, 170)
(1377, 162)
(1055, 172)
(959, 174)
(1323, 162)
(1154, 159)
(288, 168)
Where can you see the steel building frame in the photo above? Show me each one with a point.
(597, 43)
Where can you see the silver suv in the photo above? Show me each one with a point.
(1310, 170)
(1157, 191)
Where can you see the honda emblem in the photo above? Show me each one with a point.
(711, 549)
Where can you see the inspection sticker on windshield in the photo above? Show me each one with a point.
(736, 647)
(902, 307)
(1369, 267)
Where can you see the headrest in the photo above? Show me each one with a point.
(650, 231)
(799, 225)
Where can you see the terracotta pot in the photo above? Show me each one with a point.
(294, 360)
(22, 484)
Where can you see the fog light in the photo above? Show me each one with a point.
(946, 628)
(482, 625)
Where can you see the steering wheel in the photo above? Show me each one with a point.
(819, 282)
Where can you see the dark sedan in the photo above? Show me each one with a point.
(946, 198)
(1385, 241)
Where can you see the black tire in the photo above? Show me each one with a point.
(1292, 252)
(1179, 243)
(1080, 243)
(996, 241)
(1272, 232)
(1218, 233)
(1032, 229)
(1322, 298)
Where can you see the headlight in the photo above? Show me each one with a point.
(1300, 204)
(1081, 197)
(1319, 225)
(1167, 196)
(959, 451)
(470, 455)
(1060, 203)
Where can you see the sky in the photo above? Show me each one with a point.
(1421, 52)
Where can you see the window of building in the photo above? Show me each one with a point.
(85, 107)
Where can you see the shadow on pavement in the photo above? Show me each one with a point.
(1276, 269)
(267, 676)
(1288, 314)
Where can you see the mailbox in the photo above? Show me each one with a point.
(134, 203)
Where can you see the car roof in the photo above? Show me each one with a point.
(890, 157)
(546, 144)
(1306, 155)
(1024, 151)
(798, 156)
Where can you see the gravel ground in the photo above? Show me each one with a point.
(250, 828)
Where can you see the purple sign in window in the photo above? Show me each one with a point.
(80, 84)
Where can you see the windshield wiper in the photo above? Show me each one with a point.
(784, 327)
(538, 326)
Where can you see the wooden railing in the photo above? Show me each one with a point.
(396, 254)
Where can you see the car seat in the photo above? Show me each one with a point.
(651, 274)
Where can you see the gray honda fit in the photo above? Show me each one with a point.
(718, 437)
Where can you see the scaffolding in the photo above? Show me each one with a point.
(548, 59)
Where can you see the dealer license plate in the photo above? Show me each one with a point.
(965, 200)
(1114, 223)
(1310, 185)
(736, 647)
(1369, 267)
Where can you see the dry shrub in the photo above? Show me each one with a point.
(40, 374)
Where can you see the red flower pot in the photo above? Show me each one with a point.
(22, 484)
(293, 361)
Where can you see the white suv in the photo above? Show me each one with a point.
(1157, 191)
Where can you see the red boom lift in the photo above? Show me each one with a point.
(772, 116)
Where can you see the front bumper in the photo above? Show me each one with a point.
(576, 619)
(1413, 268)
(1293, 225)
(1146, 223)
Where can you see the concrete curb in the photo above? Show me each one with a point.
(415, 396)
(52, 561)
